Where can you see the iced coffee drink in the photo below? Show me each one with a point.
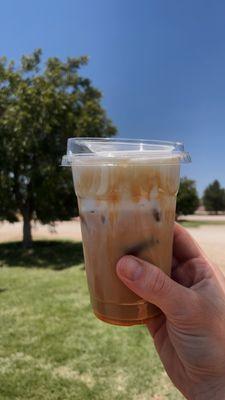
(127, 200)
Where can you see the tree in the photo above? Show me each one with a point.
(214, 197)
(40, 107)
(187, 199)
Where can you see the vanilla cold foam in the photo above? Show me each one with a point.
(127, 202)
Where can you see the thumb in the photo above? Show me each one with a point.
(153, 285)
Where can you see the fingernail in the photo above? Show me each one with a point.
(129, 268)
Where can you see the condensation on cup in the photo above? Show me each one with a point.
(126, 191)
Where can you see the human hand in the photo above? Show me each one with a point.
(189, 334)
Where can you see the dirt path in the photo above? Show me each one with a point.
(63, 230)
(210, 237)
(199, 217)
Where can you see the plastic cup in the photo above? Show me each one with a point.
(126, 191)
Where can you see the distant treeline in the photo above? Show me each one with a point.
(188, 201)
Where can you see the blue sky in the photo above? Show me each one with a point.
(159, 63)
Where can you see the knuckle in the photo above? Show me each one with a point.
(200, 269)
(159, 283)
(198, 262)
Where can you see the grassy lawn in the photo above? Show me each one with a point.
(196, 224)
(51, 345)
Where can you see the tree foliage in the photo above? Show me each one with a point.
(214, 197)
(40, 107)
(187, 199)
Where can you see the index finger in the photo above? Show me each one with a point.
(184, 246)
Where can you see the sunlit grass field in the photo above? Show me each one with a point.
(51, 345)
(197, 224)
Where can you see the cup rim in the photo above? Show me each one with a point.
(122, 148)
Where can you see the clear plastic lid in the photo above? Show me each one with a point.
(84, 150)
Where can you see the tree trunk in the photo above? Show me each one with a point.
(27, 236)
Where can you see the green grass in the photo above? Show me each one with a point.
(51, 345)
(196, 224)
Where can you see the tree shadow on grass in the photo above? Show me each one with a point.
(53, 254)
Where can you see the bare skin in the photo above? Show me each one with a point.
(189, 334)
